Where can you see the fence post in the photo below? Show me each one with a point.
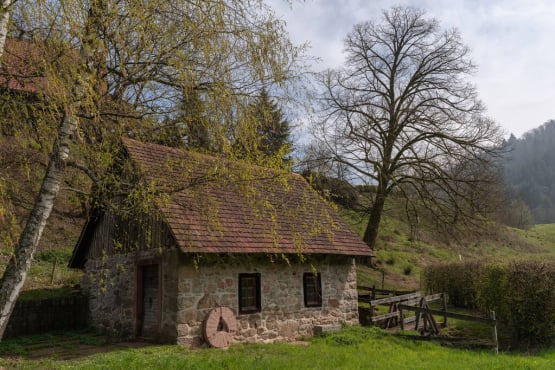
(419, 314)
(373, 292)
(444, 303)
(494, 331)
(402, 318)
(53, 270)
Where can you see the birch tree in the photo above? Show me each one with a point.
(402, 114)
(80, 83)
(129, 66)
(4, 22)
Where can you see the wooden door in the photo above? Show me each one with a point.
(149, 301)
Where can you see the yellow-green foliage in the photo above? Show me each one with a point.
(521, 292)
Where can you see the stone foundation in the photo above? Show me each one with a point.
(189, 290)
(283, 316)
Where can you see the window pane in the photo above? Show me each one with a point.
(312, 287)
(249, 293)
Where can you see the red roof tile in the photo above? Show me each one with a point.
(220, 206)
(21, 66)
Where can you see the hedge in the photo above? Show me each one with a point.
(521, 292)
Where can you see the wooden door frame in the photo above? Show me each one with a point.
(139, 294)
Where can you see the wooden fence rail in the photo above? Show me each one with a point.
(414, 302)
(373, 292)
(424, 319)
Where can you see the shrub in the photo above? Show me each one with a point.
(531, 300)
(407, 270)
(521, 292)
(459, 280)
(492, 287)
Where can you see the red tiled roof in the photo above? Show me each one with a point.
(20, 69)
(220, 206)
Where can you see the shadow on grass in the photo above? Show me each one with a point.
(64, 345)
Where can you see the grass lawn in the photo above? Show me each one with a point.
(352, 348)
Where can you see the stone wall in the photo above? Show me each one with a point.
(111, 285)
(191, 288)
(283, 316)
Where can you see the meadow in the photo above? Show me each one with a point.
(351, 348)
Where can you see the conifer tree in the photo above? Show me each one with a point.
(274, 129)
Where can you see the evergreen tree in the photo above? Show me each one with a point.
(273, 129)
(529, 170)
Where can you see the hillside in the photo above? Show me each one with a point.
(529, 171)
(401, 259)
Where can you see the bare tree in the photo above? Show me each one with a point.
(402, 114)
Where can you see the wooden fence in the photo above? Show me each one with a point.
(424, 320)
(371, 293)
(36, 316)
(391, 299)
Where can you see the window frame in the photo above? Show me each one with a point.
(257, 306)
(312, 277)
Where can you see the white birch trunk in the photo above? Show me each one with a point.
(18, 267)
(4, 20)
(20, 263)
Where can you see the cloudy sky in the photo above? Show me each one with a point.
(512, 42)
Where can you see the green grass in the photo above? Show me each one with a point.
(49, 275)
(42, 293)
(351, 348)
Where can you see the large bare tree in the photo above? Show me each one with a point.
(403, 115)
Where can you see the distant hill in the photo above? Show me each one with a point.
(530, 170)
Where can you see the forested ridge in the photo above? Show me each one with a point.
(530, 171)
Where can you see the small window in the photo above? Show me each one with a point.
(249, 293)
(312, 286)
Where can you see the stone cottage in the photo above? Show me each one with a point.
(260, 243)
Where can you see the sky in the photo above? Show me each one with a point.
(512, 42)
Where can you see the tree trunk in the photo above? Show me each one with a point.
(4, 20)
(18, 266)
(371, 232)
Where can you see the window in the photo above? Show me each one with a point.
(312, 286)
(249, 293)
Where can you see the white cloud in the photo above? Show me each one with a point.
(511, 43)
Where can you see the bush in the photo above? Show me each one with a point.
(531, 300)
(459, 280)
(522, 293)
(493, 286)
